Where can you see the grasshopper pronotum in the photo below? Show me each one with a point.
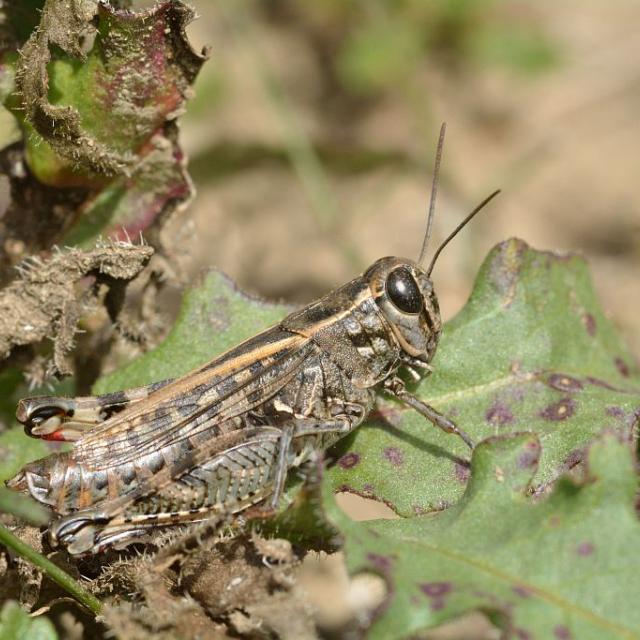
(223, 437)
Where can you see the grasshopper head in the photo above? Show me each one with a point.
(404, 294)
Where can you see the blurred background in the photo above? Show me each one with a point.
(313, 128)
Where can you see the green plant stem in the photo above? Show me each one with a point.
(23, 507)
(54, 572)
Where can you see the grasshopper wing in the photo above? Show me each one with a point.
(198, 405)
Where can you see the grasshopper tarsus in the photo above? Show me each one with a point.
(397, 389)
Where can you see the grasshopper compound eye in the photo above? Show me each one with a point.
(403, 291)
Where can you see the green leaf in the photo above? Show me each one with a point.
(22, 507)
(561, 568)
(17, 623)
(531, 350)
(16, 450)
(98, 91)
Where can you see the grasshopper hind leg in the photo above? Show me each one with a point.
(247, 475)
(67, 419)
(86, 533)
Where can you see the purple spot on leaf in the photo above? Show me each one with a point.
(589, 324)
(521, 634)
(600, 383)
(349, 460)
(564, 383)
(521, 591)
(560, 410)
(615, 412)
(530, 456)
(574, 458)
(436, 604)
(585, 549)
(462, 472)
(499, 414)
(562, 633)
(622, 367)
(394, 456)
(380, 562)
(435, 589)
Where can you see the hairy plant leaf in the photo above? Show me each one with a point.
(44, 301)
(561, 568)
(97, 93)
(15, 622)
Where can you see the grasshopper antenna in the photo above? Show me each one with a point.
(434, 192)
(454, 233)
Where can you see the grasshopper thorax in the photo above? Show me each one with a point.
(404, 293)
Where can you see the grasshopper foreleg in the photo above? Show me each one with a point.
(395, 386)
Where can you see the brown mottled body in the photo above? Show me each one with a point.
(209, 441)
(222, 438)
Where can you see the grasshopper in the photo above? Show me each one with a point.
(222, 438)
